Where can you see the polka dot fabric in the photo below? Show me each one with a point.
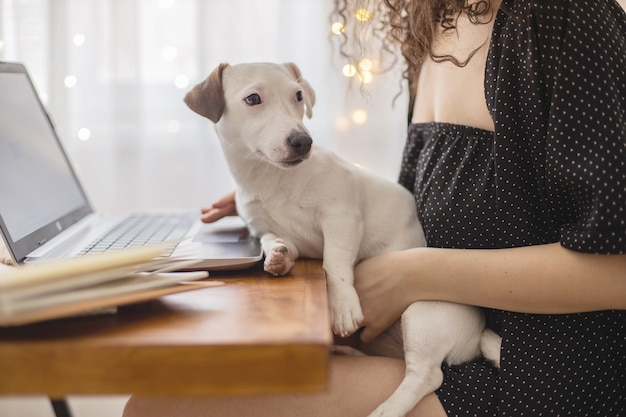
(553, 171)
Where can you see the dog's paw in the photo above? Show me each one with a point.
(385, 411)
(346, 315)
(5, 258)
(279, 260)
(346, 320)
(398, 405)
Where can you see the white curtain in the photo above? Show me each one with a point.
(113, 74)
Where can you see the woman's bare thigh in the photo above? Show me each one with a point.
(356, 386)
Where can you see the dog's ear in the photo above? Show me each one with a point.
(207, 98)
(309, 94)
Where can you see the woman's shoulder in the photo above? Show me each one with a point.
(561, 4)
(565, 9)
(597, 23)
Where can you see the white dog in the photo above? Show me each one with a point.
(304, 201)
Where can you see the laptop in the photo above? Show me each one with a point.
(44, 210)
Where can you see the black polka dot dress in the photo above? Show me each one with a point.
(554, 170)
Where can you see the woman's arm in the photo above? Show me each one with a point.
(225, 206)
(535, 279)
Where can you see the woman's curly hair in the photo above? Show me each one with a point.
(407, 26)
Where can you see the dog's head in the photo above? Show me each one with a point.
(261, 106)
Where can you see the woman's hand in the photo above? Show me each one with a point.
(381, 283)
(539, 279)
(223, 207)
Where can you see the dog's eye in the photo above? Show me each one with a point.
(253, 99)
(299, 96)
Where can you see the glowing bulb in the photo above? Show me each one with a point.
(359, 116)
(349, 70)
(70, 81)
(1, 45)
(79, 39)
(366, 77)
(363, 15)
(342, 123)
(337, 28)
(84, 134)
(366, 64)
(181, 81)
(169, 53)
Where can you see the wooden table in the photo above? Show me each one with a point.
(254, 334)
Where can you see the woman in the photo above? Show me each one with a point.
(517, 158)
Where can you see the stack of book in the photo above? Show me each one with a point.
(49, 290)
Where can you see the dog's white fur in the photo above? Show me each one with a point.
(304, 201)
(5, 257)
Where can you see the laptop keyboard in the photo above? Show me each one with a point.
(143, 229)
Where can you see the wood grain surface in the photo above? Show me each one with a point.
(254, 334)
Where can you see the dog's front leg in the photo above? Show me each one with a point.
(342, 240)
(5, 258)
(280, 254)
(432, 332)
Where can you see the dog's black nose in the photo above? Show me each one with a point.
(300, 142)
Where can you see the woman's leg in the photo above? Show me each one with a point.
(356, 386)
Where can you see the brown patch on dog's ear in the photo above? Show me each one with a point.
(207, 98)
(309, 94)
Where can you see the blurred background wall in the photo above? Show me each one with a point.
(113, 74)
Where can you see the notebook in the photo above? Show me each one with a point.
(92, 284)
(45, 213)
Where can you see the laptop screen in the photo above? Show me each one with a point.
(39, 193)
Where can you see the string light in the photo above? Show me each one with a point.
(363, 15)
(366, 77)
(342, 123)
(84, 134)
(70, 81)
(366, 64)
(359, 116)
(181, 81)
(337, 28)
(349, 70)
(79, 39)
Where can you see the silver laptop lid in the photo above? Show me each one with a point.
(40, 195)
